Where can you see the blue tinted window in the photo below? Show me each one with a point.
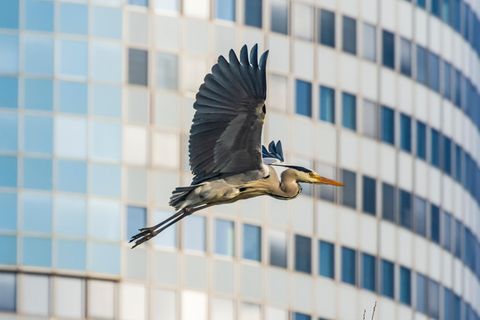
(252, 242)
(405, 209)
(253, 13)
(349, 35)
(447, 155)
(388, 125)
(447, 84)
(8, 218)
(421, 65)
(446, 231)
(9, 14)
(104, 219)
(405, 57)
(435, 223)
(136, 219)
(107, 22)
(369, 42)
(8, 92)
(106, 62)
(8, 53)
(73, 18)
(458, 162)
(225, 9)
(37, 173)
(327, 259)
(303, 254)
(433, 299)
(38, 55)
(8, 250)
(278, 249)
(421, 294)
(8, 132)
(405, 286)
(39, 15)
(143, 3)
(327, 104)
(349, 191)
(300, 316)
(349, 111)
(37, 252)
(388, 279)
(405, 133)
(303, 98)
(434, 72)
(104, 258)
(420, 216)
(349, 265)
(37, 212)
(435, 148)
(106, 100)
(168, 237)
(8, 171)
(38, 134)
(369, 195)
(421, 140)
(435, 7)
(224, 237)
(194, 233)
(71, 254)
(38, 94)
(73, 60)
(71, 176)
(279, 16)
(105, 140)
(73, 97)
(388, 49)
(70, 216)
(327, 28)
(105, 180)
(422, 3)
(138, 67)
(368, 272)
(8, 288)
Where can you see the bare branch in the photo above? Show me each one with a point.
(373, 313)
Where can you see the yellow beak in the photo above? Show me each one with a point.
(323, 180)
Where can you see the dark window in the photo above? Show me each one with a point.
(278, 249)
(304, 98)
(433, 72)
(435, 223)
(349, 35)
(447, 155)
(327, 104)
(253, 13)
(405, 286)
(136, 219)
(327, 28)
(369, 195)
(143, 3)
(368, 272)
(388, 202)
(300, 316)
(447, 83)
(421, 293)
(406, 57)
(405, 133)
(327, 259)
(388, 49)
(349, 265)
(434, 148)
(457, 238)
(349, 190)
(405, 209)
(349, 111)
(8, 288)
(279, 16)
(388, 279)
(435, 7)
(420, 216)
(421, 140)
(388, 125)
(446, 231)
(303, 254)
(422, 3)
(421, 65)
(252, 242)
(225, 9)
(138, 67)
(433, 299)
(458, 162)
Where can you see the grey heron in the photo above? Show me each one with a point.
(227, 158)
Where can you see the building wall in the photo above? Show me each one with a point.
(95, 107)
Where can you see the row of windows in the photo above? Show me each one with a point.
(380, 122)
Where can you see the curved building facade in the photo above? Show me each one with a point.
(95, 106)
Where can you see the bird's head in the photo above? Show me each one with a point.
(309, 176)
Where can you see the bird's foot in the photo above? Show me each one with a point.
(144, 235)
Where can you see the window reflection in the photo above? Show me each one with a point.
(388, 49)
(107, 22)
(326, 192)
(327, 259)
(349, 191)
(405, 133)
(349, 265)
(8, 288)
(105, 180)
(388, 279)
(279, 16)
(406, 209)
(303, 98)
(37, 212)
(105, 140)
(194, 233)
(136, 219)
(405, 286)
(224, 237)
(388, 125)
(8, 171)
(420, 216)
(71, 254)
(278, 248)
(106, 62)
(225, 9)
(303, 254)
(73, 97)
(8, 250)
(327, 28)
(327, 104)
(104, 258)
(253, 13)
(368, 272)
(349, 35)
(405, 57)
(252, 242)
(349, 111)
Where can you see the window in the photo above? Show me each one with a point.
(435, 7)
(8, 250)
(107, 22)
(105, 179)
(447, 155)
(9, 14)
(73, 18)
(303, 254)
(168, 237)
(39, 15)
(8, 288)
(446, 231)
(8, 132)
(303, 21)
(433, 299)
(370, 120)
(105, 140)
(349, 111)
(143, 3)
(327, 104)
(457, 238)
(349, 35)
(38, 94)
(303, 98)
(349, 191)
(225, 9)
(300, 316)
(279, 16)
(388, 49)
(349, 265)
(421, 294)
(8, 219)
(420, 216)
(73, 58)
(405, 57)
(388, 202)
(248, 311)
(434, 147)
(326, 192)
(34, 294)
(252, 242)
(73, 97)
(421, 65)
(221, 309)
(278, 248)
(101, 299)
(388, 279)
(136, 219)
(369, 195)
(37, 251)
(71, 254)
(388, 125)
(106, 61)
(9, 53)
(194, 233)
(38, 55)
(447, 84)
(435, 223)
(405, 133)
(37, 173)
(405, 286)
(368, 272)
(253, 13)
(104, 258)
(106, 100)
(8, 171)
(369, 42)
(434, 72)
(138, 67)
(71, 176)
(421, 140)
(69, 293)
(327, 259)
(405, 209)
(167, 71)
(458, 162)
(224, 237)
(327, 28)
(8, 91)
(37, 212)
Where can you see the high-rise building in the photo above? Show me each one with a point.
(95, 106)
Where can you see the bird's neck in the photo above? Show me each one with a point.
(289, 185)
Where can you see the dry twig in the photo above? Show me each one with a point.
(373, 313)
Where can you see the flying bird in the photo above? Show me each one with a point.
(227, 158)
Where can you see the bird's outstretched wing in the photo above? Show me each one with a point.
(274, 153)
(225, 137)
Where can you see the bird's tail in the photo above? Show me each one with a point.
(179, 195)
